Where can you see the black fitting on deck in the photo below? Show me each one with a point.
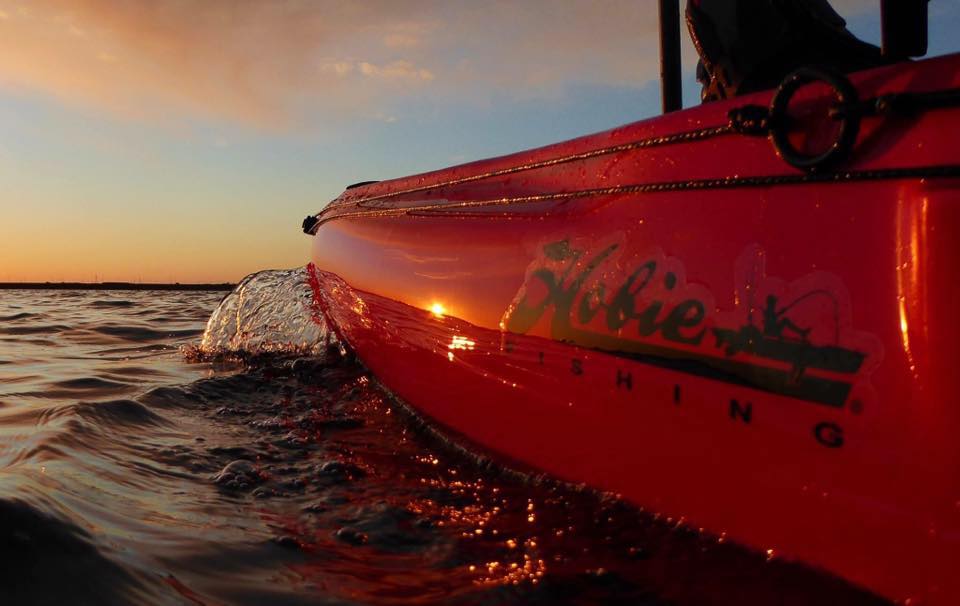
(671, 87)
(310, 224)
(904, 25)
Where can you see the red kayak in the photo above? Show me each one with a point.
(743, 321)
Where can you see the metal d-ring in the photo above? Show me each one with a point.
(846, 112)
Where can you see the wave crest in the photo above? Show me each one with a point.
(270, 311)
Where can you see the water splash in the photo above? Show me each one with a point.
(270, 311)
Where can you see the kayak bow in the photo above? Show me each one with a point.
(670, 312)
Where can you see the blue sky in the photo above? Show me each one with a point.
(173, 141)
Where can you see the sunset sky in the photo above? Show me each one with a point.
(175, 140)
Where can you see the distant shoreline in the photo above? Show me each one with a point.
(110, 286)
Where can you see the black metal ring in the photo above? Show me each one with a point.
(780, 121)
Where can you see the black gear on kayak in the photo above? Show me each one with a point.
(360, 184)
(750, 45)
(310, 224)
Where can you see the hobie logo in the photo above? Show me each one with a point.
(793, 339)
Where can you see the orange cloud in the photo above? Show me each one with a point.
(239, 60)
(287, 64)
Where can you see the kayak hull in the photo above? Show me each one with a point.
(758, 352)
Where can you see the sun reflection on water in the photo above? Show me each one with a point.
(460, 342)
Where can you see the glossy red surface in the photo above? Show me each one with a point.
(771, 363)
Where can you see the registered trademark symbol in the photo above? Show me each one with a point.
(856, 407)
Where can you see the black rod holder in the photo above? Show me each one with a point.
(671, 87)
(904, 25)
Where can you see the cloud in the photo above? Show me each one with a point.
(395, 69)
(288, 63)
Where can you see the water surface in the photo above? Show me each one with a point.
(263, 468)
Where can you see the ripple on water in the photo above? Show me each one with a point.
(36, 342)
(43, 329)
(125, 372)
(48, 559)
(81, 387)
(19, 316)
(143, 333)
(119, 414)
(112, 303)
(87, 384)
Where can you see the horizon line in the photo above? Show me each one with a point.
(119, 285)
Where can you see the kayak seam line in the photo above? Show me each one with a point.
(949, 171)
(682, 137)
